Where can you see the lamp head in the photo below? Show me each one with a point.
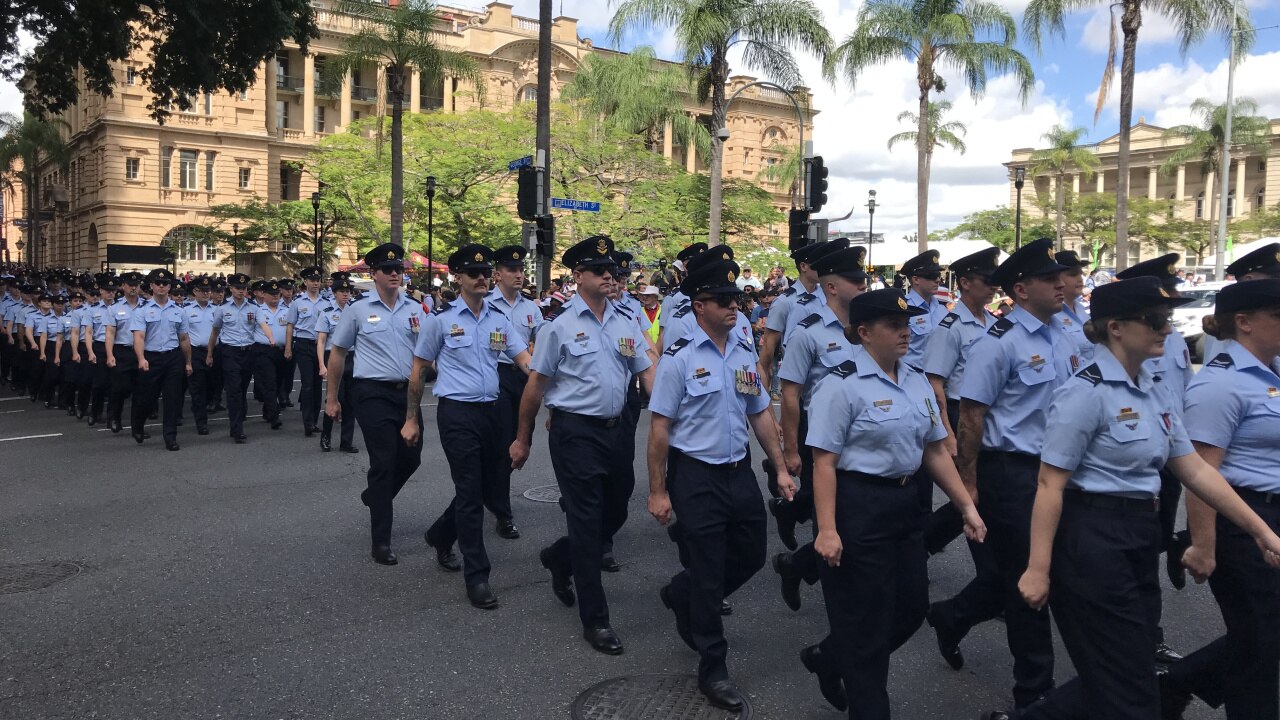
(431, 186)
(315, 200)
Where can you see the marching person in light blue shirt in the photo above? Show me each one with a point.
(1095, 530)
(341, 289)
(162, 345)
(234, 325)
(923, 273)
(682, 320)
(1074, 314)
(300, 346)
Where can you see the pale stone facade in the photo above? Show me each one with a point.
(131, 181)
(1254, 180)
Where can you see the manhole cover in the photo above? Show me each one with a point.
(543, 494)
(650, 697)
(34, 576)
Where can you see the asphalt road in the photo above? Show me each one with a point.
(234, 581)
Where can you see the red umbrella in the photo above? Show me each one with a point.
(419, 260)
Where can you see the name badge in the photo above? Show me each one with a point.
(1037, 362)
(498, 341)
(1273, 392)
(456, 331)
(701, 376)
(374, 319)
(883, 405)
(627, 347)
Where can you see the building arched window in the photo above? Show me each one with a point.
(528, 93)
(1200, 206)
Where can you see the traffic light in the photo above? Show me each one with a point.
(545, 235)
(798, 236)
(815, 183)
(527, 193)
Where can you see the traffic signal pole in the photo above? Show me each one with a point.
(542, 157)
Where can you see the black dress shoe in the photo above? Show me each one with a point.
(561, 583)
(202, 429)
(603, 639)
(1166, 655)
(725, 608)
(481, 596)
(146, 435)
(308, 431)
(995, 715)
(240, 439)
(171, 445)
(722, 694)
(138, 437)
(276, 424)
(507, 529)
(829, 681)
(609, 564)
(383, 556)
(780, 508)
(948, 643)
(218, 408)
(682, 617)
(349, 449)
(93, 420)
(115, 425)
(1173, 559)
(325, 444)
(790, 580)
(445, 556)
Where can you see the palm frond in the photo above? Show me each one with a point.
(1109, 68)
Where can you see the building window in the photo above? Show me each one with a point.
(130, 76)
(131, 168)
(166, 161)
(243, 95)
(528, 93)
(1231, 204)
(208, 103)
(355, 115)
(1200, 206)
(187, 160)
(187, 248)
(208, 171)
(1260, 198)
(246, 177)
(282, 68)
(282, 114)
(288, 247)
(319, 118)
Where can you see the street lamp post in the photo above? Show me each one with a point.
(871, 222)
(315, 228)
(1019, 178)
(20, 245)
(235, 246)
(431, 245)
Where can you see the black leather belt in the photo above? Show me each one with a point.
(898, 481)
(590, 419)
(745, 461)
(1265, 498)
(396, 384)
(469, 403)
(1104, 501)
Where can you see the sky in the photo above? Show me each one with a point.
(855, 122)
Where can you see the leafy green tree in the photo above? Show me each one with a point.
(264, 225)
(25, 145)
(1202, 142)
(938, 35)
(638, 94)
(998, 226)
(1262, 222)
(1064, 153)
(938, 134)
(786, 172)
(398, 38)
(1192, 20)
(1092, 217)
(705, 30)
(194, 46)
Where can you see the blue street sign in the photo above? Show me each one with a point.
(584, 205)
(515, 165)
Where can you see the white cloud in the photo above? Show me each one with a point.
(10, 95)
(1164, 93)
(1156, 29)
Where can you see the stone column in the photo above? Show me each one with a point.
(344, 101)
(446, 93)
(309, 95)
(1180, 191)
(1151, 182)
(1075, 183)
(666, 140)
(1242, 198)
(690, 153)
(1210, 185)
(415, 86)
(271, 95)
(1102, 181)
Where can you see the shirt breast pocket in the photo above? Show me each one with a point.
(1129, 431)
(879, 415)
(698, 387)
(372, 328)
(578, 349)
(1033, 376)
(833, 358)
(458, 342)
(920, 325)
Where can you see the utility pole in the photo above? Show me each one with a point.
(1225, 166)
(542, 158)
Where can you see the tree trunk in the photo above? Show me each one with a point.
(923, 150)
(1130, 21)
(1061, 179)
(719, 74)
(395, 76)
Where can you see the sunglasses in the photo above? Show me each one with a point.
(724, 301)
(160, 282)
(474, 273)
(602, 270)
(932, 277)
(1154, 320)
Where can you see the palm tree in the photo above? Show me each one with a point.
(1202, 142)
(935, 34)
(31, 142)
(1064, 153)
(400, 39)
(937, 134)
(787, 171)
(705, 30)
(636, 94)
(1193, 19)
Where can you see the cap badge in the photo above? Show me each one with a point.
(479, 257)
(1173, 269)
(1049, 252)
(391, 254)
(902, 303)
(724, 256)
(732, 277)
(624, 264)
(1164, 293)
(1278, 257)
(602, 247)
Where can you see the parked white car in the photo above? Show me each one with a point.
(1187, 319)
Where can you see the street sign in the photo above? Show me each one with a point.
(515, 165)
(21, 223)
(584, 205)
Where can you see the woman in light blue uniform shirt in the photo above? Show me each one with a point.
(1095, 528)
(1233, 417)
(873, 422)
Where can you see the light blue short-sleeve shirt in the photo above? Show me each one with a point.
(708, 397)
(922, 326)
(327, 321)
(465, 349)
(236, 323)
(1112, 432)
(382, 337)
(590, 362)
(683, 322)
(121, 316)
(817, 347)
(1172, 370)
(949, 344)
(875, 425)
(524, 315)
(1234, 403)
(161, 325)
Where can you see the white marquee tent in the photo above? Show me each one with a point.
(896, 252)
